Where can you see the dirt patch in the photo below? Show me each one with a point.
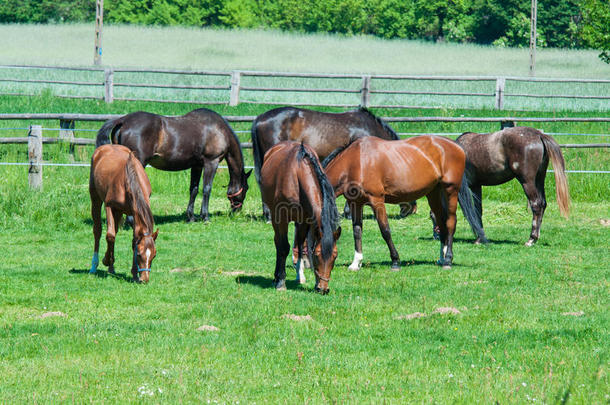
(414, 315)
(576, 313)
(180, 270)
(237, 273)
(208, 328)
(298, 318)
(447, 310)
(51, 314)
(604, 222)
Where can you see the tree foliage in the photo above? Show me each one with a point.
(561, 23)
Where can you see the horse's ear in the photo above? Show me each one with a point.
(337, 233)
(248, 173)
(154, 235)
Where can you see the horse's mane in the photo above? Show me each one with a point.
(384, 125)
(142, 208)
(329, 216)
(336, 152)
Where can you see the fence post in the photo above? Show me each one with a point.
(108, 85)
(365, 91)
(500, 82)
(35, 157)
(235, 83)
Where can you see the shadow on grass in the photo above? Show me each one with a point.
(104, 274)
(267, 283)
(471, 241)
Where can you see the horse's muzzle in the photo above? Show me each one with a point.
(322, 291)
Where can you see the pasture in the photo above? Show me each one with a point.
(507, 324)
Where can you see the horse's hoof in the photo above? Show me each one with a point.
(302, 281)
(190, 220)
(530, 243)
(446, 267)
(395, 267)
(354, 268)
(280, 285)
(111, 271)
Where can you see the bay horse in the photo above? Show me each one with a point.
(119, 181)
(323, 132)
(517, 152)
(372, 171)
(198, 141)
(295, 188)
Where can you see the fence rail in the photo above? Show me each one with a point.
(371, 86)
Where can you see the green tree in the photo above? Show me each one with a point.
(596, 28)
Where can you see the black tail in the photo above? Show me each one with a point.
(108, 129)
(257, 152)
(330, 215)
(465, 197)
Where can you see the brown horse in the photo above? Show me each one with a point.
(198, 141)
(323, 132)
(295, 188)
(374, 172)
(119, 181)
(519, 152)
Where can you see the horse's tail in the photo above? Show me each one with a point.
(330, 215)
(107, 132)
(465, 197)
(561, 184)
(256, 151)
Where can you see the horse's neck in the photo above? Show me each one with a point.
(235, 162)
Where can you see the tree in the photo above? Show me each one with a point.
(595, 31)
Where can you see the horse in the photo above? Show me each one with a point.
(517, 152)
(119, 181)
(295, 188)
(373, 171)
(198, 141)
(323, 132)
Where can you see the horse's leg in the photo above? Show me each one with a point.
(346, 211)
(209, 167)
(110, 238)
(384, 226)
(193, 191)
(451, 194)
(436, 205)
(282, 248)
(477, 193)
(537, 201)
(300, 236)
(356, 210)
(435, 229)
(96, 215)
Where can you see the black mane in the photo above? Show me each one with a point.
(329, 215)
(142, 208)
(384, 125)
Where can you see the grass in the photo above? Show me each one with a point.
(221, 50)
(121, 342)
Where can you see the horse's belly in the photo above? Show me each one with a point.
(160, 163)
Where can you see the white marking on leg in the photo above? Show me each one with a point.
(445, 250)
(515, 165)
(357, 263)
(300, 267)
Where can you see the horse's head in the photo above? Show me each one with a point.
(144, 252)
(323, 264)
(237, 198)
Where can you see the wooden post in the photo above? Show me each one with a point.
(108, 85)
(235, 83)
(365, 91)
(500, 83)
(99, 23)
(533, 20)
(35, 157)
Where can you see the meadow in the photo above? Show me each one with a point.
(506, 324)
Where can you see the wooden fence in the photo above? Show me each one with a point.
(360, 95)
(35, 139)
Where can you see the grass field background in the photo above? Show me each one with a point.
(507, 324)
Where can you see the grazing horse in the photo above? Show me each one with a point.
(295, 188)
(374, 172)
(519, 152)
(119, 181)
(198, 141)
(323, 132)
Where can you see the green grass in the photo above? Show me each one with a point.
(222, 50)
(119, 341)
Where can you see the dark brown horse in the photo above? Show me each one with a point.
(519, 152)
(198, 141)
(295, 188)
(372, 171)
(119, 181)
(323, 132)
